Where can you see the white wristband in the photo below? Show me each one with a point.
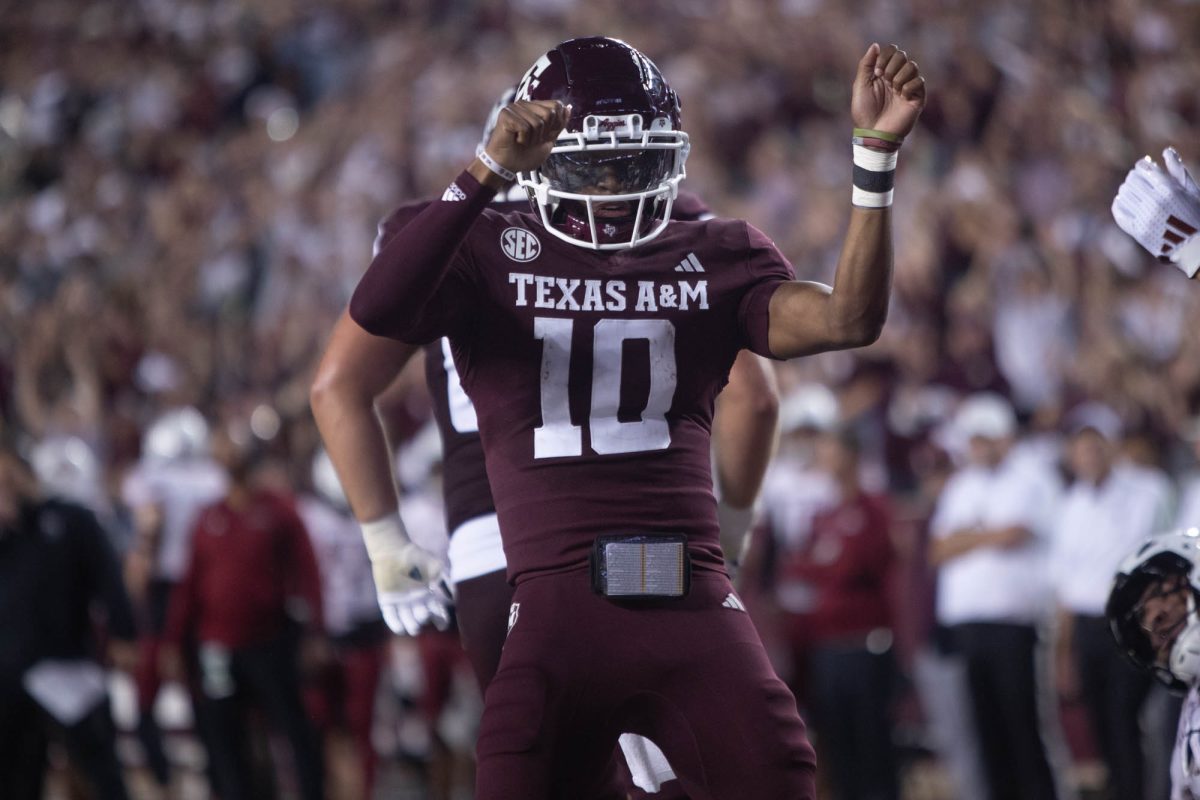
(495, 166)
(874, 160)
(384, 535)
(874, 175)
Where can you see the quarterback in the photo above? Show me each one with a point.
(593, 337)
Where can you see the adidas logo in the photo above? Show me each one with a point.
(690, 264)
(734, 602)
(453, 194)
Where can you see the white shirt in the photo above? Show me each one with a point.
(1097, 528)
(347, 588)
(991, 584)
(181, 490)
(1189, 505)
(1185, 760)
(793, 493)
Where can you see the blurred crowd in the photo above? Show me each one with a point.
(190, 191)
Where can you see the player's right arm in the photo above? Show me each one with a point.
(355, 370)
(398, 296)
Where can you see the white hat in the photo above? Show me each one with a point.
(809, 405)
(985, 415)
(1097, 417)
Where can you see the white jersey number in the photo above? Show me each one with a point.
(557, 437)
(462, 410)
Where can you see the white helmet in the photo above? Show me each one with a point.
(325, 480)
(176, 434)
(1166, 555)
(68, 467)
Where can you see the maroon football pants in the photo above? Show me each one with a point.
(691, 674)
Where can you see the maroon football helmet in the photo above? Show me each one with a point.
(614, 173)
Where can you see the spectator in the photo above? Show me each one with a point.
(1108, 509)
(990, 535)
(250, 602)
(56, 567)
(847, 562)
(343, 697)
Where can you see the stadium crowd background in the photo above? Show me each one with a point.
(189, 192)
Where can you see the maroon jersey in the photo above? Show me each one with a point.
(465, 487)
(248, 566)
(593, 374)
(847, 560)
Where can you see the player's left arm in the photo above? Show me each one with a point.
(745, 434)
(806, 317)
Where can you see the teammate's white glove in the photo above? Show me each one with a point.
(1162, 210)
(408, 578)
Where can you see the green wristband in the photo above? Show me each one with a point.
(869, 133)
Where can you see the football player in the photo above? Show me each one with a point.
(1161, 209)
(173, 480)
(359, 370)
(593, 337)
(1153, 613)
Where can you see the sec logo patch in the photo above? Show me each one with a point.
(520, 245)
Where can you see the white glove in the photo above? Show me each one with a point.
(1162, 210)
(409, 580)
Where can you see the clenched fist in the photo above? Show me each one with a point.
(889, 91)
(523, 137)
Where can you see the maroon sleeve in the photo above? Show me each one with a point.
(767, 269)
(410, 292)
(390, 225)
(304, 578)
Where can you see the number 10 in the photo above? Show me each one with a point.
(557, 437)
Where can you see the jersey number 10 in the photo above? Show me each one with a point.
(557, 437)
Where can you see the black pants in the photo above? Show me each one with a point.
(1001, 680)
(266, 678)
(851, 698)
(1113, 692)
(24, 732)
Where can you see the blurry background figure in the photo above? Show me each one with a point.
(446, 688)
(341, 698)
(174, 479)
(250, 606)
(1108, 509)
(846, 564)
(795, 489)
(990, 534)
(56, 570)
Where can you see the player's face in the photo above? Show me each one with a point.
(1162, 613)
(608, 172)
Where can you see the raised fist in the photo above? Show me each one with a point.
(889, 91)
(525, 133)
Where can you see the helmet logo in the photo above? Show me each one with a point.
(530, 81)
(520, 245)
